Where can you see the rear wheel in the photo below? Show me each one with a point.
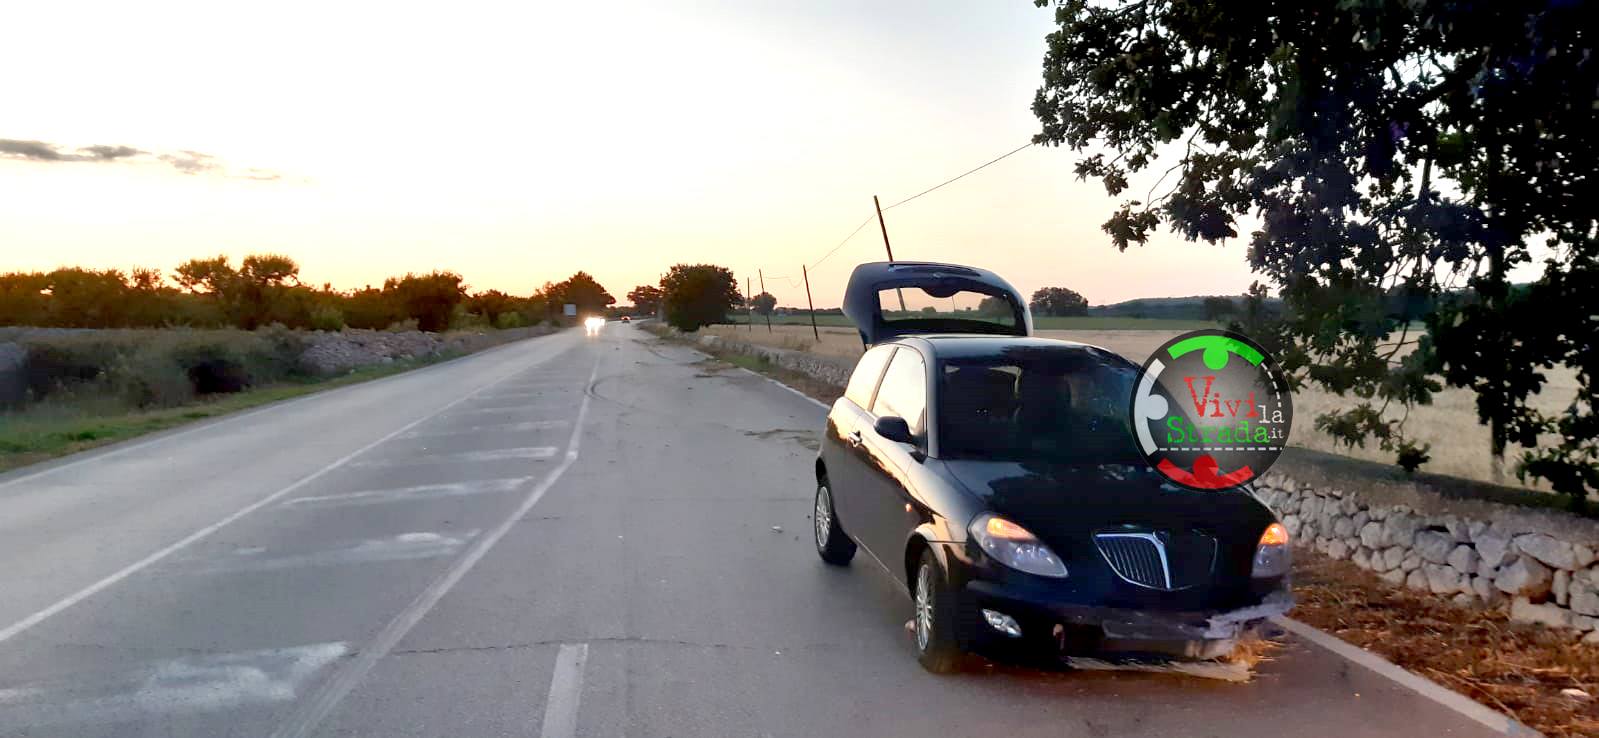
(936, 645)
(831, 544)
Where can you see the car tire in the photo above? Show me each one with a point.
(934, 618)
(831, 543)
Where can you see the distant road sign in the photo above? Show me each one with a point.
(571, 310)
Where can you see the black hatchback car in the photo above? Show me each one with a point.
(994, 476)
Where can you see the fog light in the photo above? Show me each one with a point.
(1003, 623)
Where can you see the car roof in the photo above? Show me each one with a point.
(976, 345)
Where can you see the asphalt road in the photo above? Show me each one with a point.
(567, 536)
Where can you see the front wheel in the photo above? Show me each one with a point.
(831, 544)
(936, 646)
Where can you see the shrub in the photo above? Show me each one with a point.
(509, 320)
(326, 318)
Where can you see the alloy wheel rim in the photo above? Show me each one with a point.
(924, 605)
(823, 516)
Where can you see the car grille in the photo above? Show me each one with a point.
(1159, 561)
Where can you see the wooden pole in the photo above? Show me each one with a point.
(887, 247)
(763, 291)
(809, 304)
(749, 305)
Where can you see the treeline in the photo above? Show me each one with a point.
(264, 289)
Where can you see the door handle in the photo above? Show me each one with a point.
(855, 438)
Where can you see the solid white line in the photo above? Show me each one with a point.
(812, 400)
(313, 711)
(115, 450)
(28, 622)
(1420, 685)
(566, 691)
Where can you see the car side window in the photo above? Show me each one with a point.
(867, 371)
(904, 391)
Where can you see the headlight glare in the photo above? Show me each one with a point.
(1012, 545)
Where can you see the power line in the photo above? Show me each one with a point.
(840, 245)
(958, 177)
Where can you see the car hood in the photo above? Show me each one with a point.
(1064, 503)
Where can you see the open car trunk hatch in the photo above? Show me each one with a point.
(889, 299)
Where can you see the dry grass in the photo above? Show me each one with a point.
(1460, 445)
(1517, 669)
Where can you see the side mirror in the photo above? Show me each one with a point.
(894, 429)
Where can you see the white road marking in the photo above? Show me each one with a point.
(313, 711)
(1466, 706)
(189, 684)
(24, 624)
(566, 691)
(403, 547)
(494, 454)
(812, 400)
(531, 425)
(419, 492)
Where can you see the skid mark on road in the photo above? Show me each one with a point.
(200, 683)
(497, 454)
(403, 547)
(806, 438)
(532, 425)
(419, 492)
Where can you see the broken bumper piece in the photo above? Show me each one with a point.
(1077, 629)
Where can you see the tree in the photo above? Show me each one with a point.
(1059, 301)
(1217, 308)
(763, 303)
(581, 290)
(1414, 148)
(993, 306)
(698, 294)
(646, 299)
(430, 299)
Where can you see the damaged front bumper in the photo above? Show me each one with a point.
(1076, 629)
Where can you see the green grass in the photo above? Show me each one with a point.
(53, 429)
(752, 363)
(1077, 323)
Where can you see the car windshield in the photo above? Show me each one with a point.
(1059, 405)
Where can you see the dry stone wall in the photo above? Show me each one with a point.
(1541, 571)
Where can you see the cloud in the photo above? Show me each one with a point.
(184, 161)
(190, 162)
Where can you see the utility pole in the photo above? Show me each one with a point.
(887, 247)
(807, 275)
(749, 305)
(763, 291)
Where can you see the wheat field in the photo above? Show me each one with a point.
(1460, 444)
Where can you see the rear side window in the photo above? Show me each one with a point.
(864, 380)
(904, 391)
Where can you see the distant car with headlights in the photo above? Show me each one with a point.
(994, 476)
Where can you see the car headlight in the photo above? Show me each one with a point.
(1012, 545)
(1272, 557)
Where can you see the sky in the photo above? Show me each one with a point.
(517, 143)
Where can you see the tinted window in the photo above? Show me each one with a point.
(912, 308)
(865, 377)
(1060, 405)
(904, 391)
